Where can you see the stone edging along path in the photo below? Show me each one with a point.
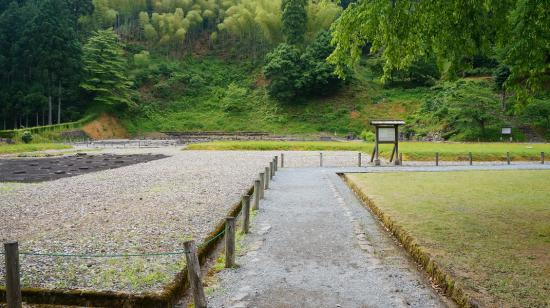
(447, 283)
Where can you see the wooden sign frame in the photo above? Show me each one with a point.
(383, 135)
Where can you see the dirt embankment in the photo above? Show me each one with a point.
(105, 127)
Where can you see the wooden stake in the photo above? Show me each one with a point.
(262, 185)
(194, 274)
(470, 156)
(508, 157)
(229, 242)
(359, 159)
(13, 280)
(437, 159)
(542, 158)
(257, 195)
(276, 159)
(271, 170)
(267, 172)
(320, 159)
(401, 158)
(246, 213)
(282, 160)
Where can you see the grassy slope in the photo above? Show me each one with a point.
(411, 150)
(201, 104)
(33, 147)
(489, 229)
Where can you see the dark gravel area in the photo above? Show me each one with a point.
(48, 169)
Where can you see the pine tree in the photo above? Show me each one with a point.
(106, 71)
(294, 20)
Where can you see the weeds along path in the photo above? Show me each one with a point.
(314, 245)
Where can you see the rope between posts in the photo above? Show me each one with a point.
(117, 255)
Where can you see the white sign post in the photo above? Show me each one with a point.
(386, 134)
(507, 132)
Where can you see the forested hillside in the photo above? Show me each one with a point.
(454, 70)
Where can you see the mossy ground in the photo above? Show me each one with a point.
(31, 147)
(488, 229)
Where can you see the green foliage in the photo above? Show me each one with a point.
(26, 137)
(405, 31)
(368, 136)
(318, 76)
(40, 59)
(294, 20)
(538, 113)
(295, 74)
(464, 110)
(500, 76)
(106, 71)
(526, 46)
(142, 59)
(422, 72)
(283, 69)
(234, 98)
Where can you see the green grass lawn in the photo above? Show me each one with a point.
(32, 147)
(421, 151)
(490, 230)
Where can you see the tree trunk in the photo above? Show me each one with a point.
(503, 100)
(50, 110)
(59, 105)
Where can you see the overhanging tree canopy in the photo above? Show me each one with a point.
(516, 31)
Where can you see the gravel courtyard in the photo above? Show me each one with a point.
(148, 207)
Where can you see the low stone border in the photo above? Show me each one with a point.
(171, 295)
(448, 284)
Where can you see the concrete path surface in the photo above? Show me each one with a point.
(313, 244)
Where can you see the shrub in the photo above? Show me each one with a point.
(26, 137)
(367, 135)
(142, 59)
(293, 73)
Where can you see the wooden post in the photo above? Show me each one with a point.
(13, 279)
(266, 182)
(194, 274)
(276, 163)
(542, 158)
(262, 185)
(229, 242)
(437, 158)
(320, 159)
(246, 213)
(401, 158)
(397, 161)
(282, 160)
(470, 156)
(508, 157)
(271, 170)
(359, 159)
(257, 195)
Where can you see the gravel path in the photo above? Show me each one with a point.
(314, 245)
